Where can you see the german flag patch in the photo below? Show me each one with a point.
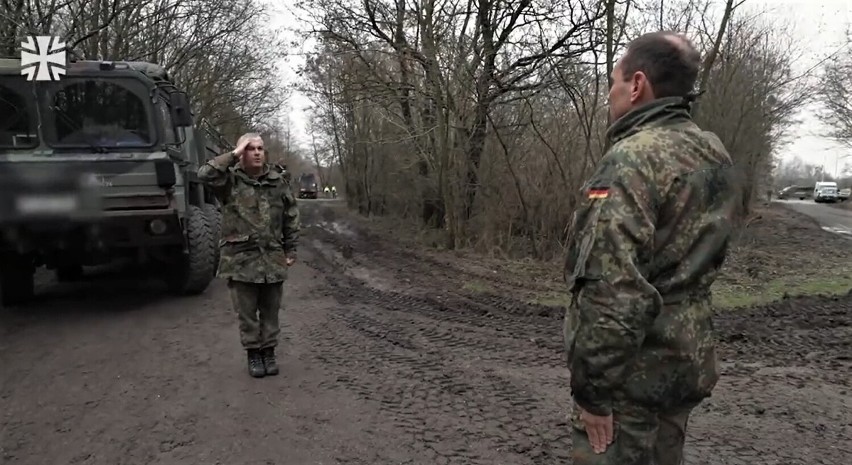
(598, 192)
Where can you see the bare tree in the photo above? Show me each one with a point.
(484, 119)
(835, 94)
(211, 48)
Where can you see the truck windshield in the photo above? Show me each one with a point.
(17, 116)
(103, 113)
(308, 181)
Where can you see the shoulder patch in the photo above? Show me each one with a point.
(598, 192)
(598, 189)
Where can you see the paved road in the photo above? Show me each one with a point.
(831, 218)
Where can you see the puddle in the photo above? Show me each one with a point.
(337, 227)
(845, 232)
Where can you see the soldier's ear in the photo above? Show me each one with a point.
(640, 87)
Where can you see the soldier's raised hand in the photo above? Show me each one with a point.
(241, 148)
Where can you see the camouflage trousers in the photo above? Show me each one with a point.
(640, 437)
(257, 306)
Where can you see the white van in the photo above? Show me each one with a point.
(825, 191)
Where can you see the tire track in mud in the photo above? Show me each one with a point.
(422, 360)
(392, 255)
(453, 412)
(811, 332)
(436, 399)
(432, 361)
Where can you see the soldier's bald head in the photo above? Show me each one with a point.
(668, 59)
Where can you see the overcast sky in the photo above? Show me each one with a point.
(817, 25)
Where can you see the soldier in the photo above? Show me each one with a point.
(260, 230)
(646, 243)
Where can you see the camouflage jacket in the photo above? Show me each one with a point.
(260, 221)
(646, 243)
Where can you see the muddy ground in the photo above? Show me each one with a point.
(387, 356)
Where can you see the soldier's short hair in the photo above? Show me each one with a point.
(667, 58)
(247, 136)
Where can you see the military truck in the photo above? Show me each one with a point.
(100, 166)
(308, 186)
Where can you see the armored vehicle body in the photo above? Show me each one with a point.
(99, 166)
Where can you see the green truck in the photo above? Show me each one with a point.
(100, 166)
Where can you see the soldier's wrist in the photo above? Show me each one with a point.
(598, 407)
(221, 162)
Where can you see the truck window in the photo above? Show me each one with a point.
(87, 112)
(16, 120)
(165, 120)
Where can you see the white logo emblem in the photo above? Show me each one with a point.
(45, 61)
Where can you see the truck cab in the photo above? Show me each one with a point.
(97, 167)
(308, 186)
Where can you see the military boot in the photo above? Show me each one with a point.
(255, 363)
(269, 363)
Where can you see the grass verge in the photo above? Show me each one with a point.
(728, 296)
(732, 296)
(780, 254)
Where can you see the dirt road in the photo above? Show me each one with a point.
(385, 359)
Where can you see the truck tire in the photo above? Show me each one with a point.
(195, 270)
(214, 216)
(17, 284)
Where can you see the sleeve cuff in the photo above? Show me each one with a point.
(223, 162)
(600, 407)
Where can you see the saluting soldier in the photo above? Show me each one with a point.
(259, 235)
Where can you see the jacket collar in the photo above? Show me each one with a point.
(268, 176)
(659, 112)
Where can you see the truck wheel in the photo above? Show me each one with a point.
(214, 216)
(194, 271)
(16, 281)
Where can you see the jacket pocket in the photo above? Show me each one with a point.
(677, 365)
(577, 266)
(237, 243)
(570, 326)
(577, 272)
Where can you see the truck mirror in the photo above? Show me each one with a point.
(181, 112)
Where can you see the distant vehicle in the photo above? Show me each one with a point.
(795, 192)
(844, 194)
(308, 186)
(825, 191)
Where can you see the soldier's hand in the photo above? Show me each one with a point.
(599, 430)
(241, 148)
(291, 261)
